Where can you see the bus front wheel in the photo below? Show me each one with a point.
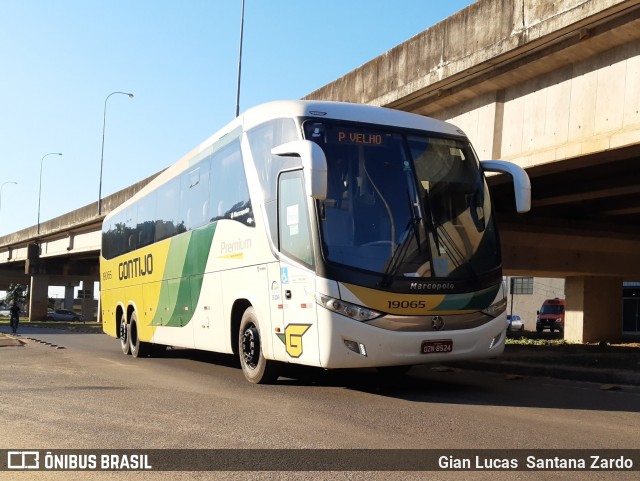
(255, 367)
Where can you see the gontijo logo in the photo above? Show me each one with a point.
(292, 338)
(136, 267)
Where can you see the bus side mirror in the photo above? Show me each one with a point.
(521, 182)
(314, 164)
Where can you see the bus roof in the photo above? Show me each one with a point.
(345, 111)
(303, 108)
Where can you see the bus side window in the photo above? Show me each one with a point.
(194, 192)
(261, 140)
(146, 220)
(133, 245)
(131, 228)
(229, 190)
(168, 202)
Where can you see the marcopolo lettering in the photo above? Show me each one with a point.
(136, 267)
(432, 286)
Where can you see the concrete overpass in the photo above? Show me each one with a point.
(555, 88)
(552, 86)
(64, 253)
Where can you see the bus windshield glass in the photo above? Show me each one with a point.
(404, 204)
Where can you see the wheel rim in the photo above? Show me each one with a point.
(251, 346)
(123, 333)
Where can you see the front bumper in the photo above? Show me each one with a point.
(392, 348)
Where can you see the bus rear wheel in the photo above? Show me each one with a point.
(256, 368)
(138, 347)
(124, 338)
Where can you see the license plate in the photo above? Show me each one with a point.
(437, 347)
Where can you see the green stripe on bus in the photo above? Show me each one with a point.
(471, 301)
(187, 260)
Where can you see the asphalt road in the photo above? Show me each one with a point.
(89, 395)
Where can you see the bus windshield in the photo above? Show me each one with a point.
(404, 204)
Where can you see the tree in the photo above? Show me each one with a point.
(17, 293)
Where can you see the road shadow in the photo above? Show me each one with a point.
(440, 384)
(208, 357)
(447, 384)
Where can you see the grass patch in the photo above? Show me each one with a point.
(527, 338)
(526, 341)
(67, 326)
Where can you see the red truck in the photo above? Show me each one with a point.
(551, 316)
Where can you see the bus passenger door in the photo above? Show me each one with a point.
(276, 308)
(299, 334)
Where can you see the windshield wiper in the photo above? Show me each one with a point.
(432, 222)
(399, 253)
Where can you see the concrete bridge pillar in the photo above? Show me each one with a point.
(88, 310)
(593, 311)
(68, 296)
(38, 297)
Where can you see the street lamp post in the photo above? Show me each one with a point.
(40, 188)
(1, 186)
(240, 60)
(104, 123)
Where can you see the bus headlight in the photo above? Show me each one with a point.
(352, 311)
(497, 308)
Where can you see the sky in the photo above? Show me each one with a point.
(60, 59)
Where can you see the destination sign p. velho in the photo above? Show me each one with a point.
(344, 136)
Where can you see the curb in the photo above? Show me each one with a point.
(7, 340)
(45, 343)
(601, 376)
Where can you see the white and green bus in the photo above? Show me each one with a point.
(319, 233)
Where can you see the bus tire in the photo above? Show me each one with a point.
(138, 347)
(124, 338)
(255, 367)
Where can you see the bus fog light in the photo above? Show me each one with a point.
(356, 347)
(352, 345)
(495, 341)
